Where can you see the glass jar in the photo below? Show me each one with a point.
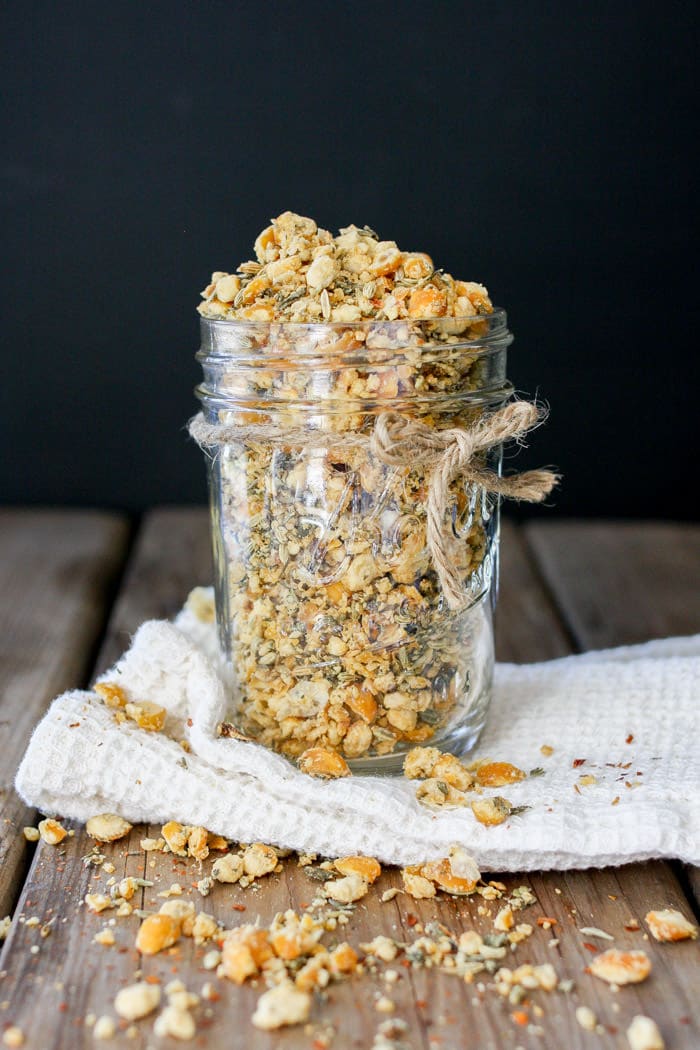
(329, 604)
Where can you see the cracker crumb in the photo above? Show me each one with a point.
(621, 967)
(136, 1000)
(670, 925)
(105, 1028)
(175, 1022)
(107, 827)
(52, 832)
(346, 890)
(644, 1034)
(281, 1006)
(384, 1005)
(382, 947)
(586, 1018)
(228, 868)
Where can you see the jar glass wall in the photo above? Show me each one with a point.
(329, 605)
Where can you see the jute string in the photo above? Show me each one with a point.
(399, 442)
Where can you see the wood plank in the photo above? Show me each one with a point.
(528, 626)
(57, 573)
(618, 583)
(173, 555)
(442, 1012)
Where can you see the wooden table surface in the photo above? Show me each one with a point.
(74, 584)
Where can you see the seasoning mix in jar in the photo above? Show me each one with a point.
(354, 406)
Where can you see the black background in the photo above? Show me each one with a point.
(542, 149)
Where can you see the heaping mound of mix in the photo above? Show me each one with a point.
(304, 274)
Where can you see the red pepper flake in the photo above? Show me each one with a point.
(578, 762)
(152, 978)
(63, 1007)
(591, 947)
(73, 725)
(421, 1003)
(190, 722)
(520, 1017)
(629, 738)
(411, 919)
(632, 925)
(238, 907)
(546, 919)
(615, 800)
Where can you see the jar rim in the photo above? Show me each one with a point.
(357, 342)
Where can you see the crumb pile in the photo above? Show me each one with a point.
(300, 953)
(304, 274)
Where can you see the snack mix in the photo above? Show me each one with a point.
(330, 609)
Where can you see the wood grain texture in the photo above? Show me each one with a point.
(443, 1013)
(618, 583)
(172, 555)
(57, 572)
(528, 626)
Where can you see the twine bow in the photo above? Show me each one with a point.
(448, 454)
(445, 455)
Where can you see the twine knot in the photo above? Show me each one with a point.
(448, 454)
(444, 454)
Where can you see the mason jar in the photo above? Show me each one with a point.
(330, 598)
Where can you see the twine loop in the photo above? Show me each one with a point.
(445, 455)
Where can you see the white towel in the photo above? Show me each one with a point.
(630, 714)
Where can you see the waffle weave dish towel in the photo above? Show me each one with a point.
(632, 714)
